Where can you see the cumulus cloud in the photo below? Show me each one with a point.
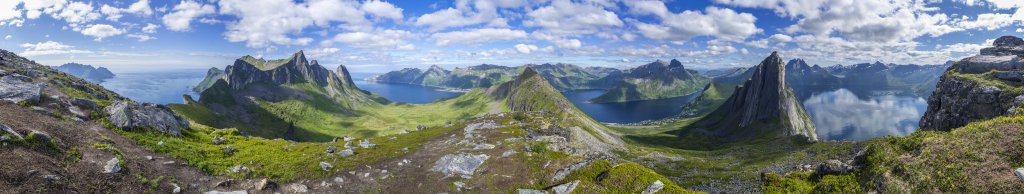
(564, 17)
(150, 28)
(100, 31)
(277, 22)
(140, 7)
(464, 14)
(49, 48)
(529, 48)
(182, 15)
(141, 37)
(77, 13)
(680, 27)
(9, 10)
(474, 36)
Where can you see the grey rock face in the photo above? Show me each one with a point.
(462, 164)
(833, 167)
(530, 191)
(112, 166)
(653, 187)
(565, 188)
(132, 115)
(958, 100)
(16, 88)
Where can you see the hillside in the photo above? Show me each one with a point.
(561, 76)
(655, 80)
(764, 106)
(87, 72)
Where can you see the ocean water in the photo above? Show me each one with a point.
(156, 87)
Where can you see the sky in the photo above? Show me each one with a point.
(380, 36)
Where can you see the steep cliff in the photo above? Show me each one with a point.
(212, 76)
(762, 106)
(978, 87)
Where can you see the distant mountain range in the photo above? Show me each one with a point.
(656, 80)
(87, 72)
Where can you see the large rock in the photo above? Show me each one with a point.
(112, 166)
(132, 115)
(566, 188)
(462, 164)
(7, 129)
(653, 187)
(17, 88)
(961, 98)
(833, 167)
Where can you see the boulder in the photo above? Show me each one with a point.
(462, 164)
(298, 188)
(228, 149)
(563, 172)
(331, 149)
(420, 127)
(113, 166)
(366, 144)
(653, 187)
(264, 184)
(346, 152)
(7, 129)
(326, 166)
(40, 136)
(217, 140)
(133, 115)
(240, 169)
(84, 103)
(176, 188)
(17, 88)
(566, 188)
(833, 167)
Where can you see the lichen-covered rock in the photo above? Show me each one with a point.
(565, 188)
(133, 115)
(17, 88)
(654, 187)
(462, 164)
(112, 166)
(833, 167)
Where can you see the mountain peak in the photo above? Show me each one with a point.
(675, 63)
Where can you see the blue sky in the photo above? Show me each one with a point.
(377, 36)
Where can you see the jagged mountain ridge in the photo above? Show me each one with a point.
(562, 76)
(87, 72)
(656, 80)
(764, 104)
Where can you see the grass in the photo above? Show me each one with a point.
(604, 177)
(278, 160)
(806, 182)
(321, 119)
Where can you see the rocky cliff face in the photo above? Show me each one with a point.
(979, 87)
(764, 104)
(296, 69)
(212, 76)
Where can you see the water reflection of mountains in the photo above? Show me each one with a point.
(862, 92)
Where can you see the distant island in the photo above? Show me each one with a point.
(87, 72)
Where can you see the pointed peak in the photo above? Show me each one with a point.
(528, 72)
(675, 63)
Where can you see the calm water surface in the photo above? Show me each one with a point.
(156, 87)
(407, 93)
(627, 112)
(842, 114)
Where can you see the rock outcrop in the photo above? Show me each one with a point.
(212, 76)
(764, 104)
(17, 88)
(133, 115)
(978, 87)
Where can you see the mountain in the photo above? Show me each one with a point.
(798, 73)
(655, 80)
(717, 92)
(980, 87)
(212, 76)
(87, 72)
(562, 76)
(764, 105)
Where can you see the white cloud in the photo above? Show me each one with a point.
(100, 31)
(564, 17)
(181, 16)
(474, 36)
(464, 14)
(380, 39)
(989, 21)
(8, 37)
(382, 9)
(680, 27)
(150, 28)
(140, 7)
(77, 13)
(9, 10)
(35, 8)
(277, 22)
(49, 48)
(141, 37)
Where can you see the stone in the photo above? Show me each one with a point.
(148, 157)
(508, 153)
(7, 129)
(462, 164)
(40, 136)
(161, 143)
(264, 184)
(1013, 76)
(217, 140)
(366, 144)
(653, 187)
(176, 188)
(240, 169)
(51, 177)
(530, 191)
(224, 183)
(1020, 173)
(112, 166)
(228, 149)
(403, 131)
(331, 149)
(133, 115)
(346, 152)
(566, 188)
(326, 166)
(563, 172)
(298, 188)
(336, 139)
(483, 146)
(420, 127)
(1008, 41)
(84, 103)
(347, 138)
(348, 145)
(227, 192)
(17, 88)
(833, 167)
